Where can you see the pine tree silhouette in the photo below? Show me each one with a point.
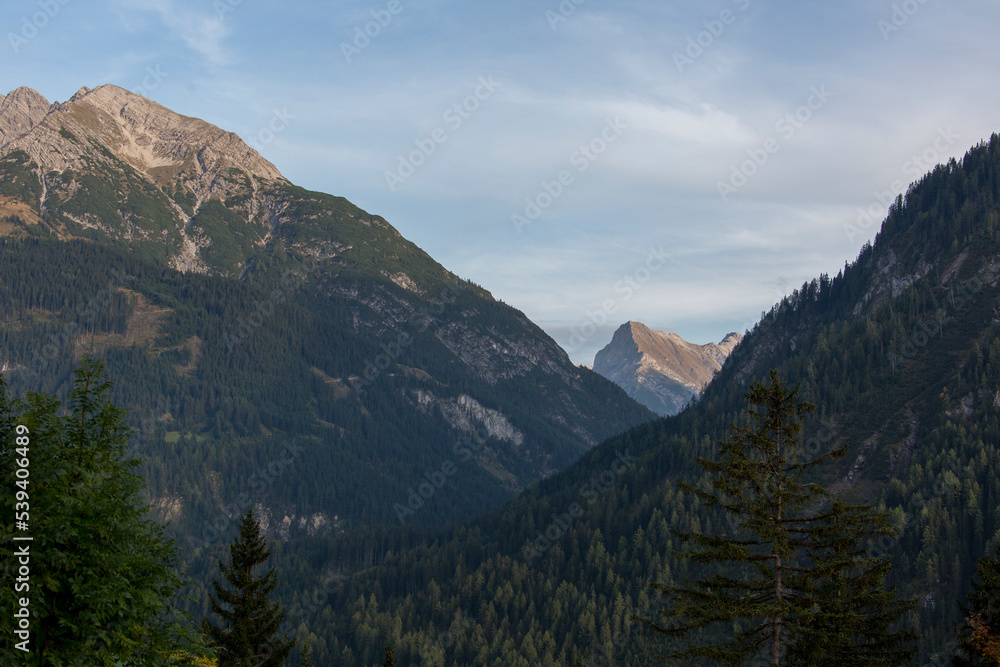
(249, 636)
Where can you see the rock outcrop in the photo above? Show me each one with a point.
(160, 144)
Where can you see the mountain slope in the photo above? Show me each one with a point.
(661, 370)
(901, 354)
(239, 312)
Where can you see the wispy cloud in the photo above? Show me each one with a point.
(201, 31)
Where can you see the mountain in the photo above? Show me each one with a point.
(283, 349)
(900, 352)
(276, 346)
(114, 166)
(661, 370)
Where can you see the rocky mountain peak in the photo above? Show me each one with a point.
(731, 340)
(658, 369)
(161, 143)
(114, 163)
(21, 110)
(164, 146)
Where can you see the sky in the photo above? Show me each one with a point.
(682, 164)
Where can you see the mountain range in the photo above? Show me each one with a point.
(237, 311)
(661, 370)
(284, 349)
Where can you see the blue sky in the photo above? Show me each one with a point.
(683, 164)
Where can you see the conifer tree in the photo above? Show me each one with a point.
(250, 634)
(979, 634)
(776, 577)
(755, 481)
(389, 660)
(102, 579)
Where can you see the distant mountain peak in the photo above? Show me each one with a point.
(732, 339)
(658, 369)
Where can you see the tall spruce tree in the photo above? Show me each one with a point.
(250, 634)
(979, 634)
(101, 580)
(776, 574)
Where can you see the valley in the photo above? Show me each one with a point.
(430, 468)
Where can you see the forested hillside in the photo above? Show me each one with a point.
(275, 345)
(285, 350)
(900, 352)
(285, 416)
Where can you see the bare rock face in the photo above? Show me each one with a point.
(20, 111)
(155, 141)
(661, 370)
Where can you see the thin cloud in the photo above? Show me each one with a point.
(201, 32)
